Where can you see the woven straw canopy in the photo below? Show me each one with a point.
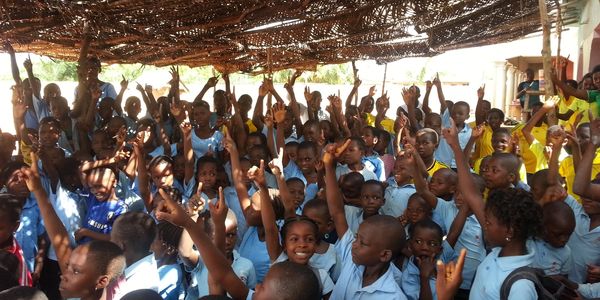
(261, 35)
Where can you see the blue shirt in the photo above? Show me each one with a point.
(554, 261)
(30, 228)
(69, 207)
(256, 251)
(233, 202)
(170, 286)
(242, 267)
(349, 284)
(494, 269)
(310, 191)
(101, 215)
(471, 239)
(343, 170)
(396, 198)
(444, 153)
(328, 261)
(201, 146)
(411, 282)
(586, 241)
(374, 164)
(34, 114)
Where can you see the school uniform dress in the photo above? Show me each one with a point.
(494, 269)
(444, 153)
(256, 251)
(589, 290)
(586, 241)
(471, 238)
(554, 261)
(374, 164)
(411, 283)
(201, 146)
(349, 285)
(396, 198)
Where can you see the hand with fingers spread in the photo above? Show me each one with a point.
(258, 175)
(477, 132)
(218, 211)
(308, 96)
(196, 203)
(333, 152)
(279, 112)
(382, 104)
(170, 211)
(410, 97)
(449, 277)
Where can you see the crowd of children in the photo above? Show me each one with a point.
(197, 200)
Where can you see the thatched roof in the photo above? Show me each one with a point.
(253, 35)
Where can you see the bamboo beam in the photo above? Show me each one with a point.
(547, 59)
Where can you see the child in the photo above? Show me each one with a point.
(304, 169)
(351, 185)
(536, 146)
(10, 211)
(484, 145)
(398, 191)
(458, 114)
(443, 183)
(366, 256)
(204, 138)
(285, 280)
(502, 171)
(165, 253)
(510, 218)
(104, 207)
(427, 142)
(383, 148)
(371, 158)
(353, 160)
(101, 262)
(325, 257)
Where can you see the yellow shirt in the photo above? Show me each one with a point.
(567, 170)
(25, 151)
(251, 127)
(529, 159)
(370, 119)
(483, 146)
(539, 152)
(386, 123)
(435, 167)
(578, 106)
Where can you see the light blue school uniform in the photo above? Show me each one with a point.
(125, 190)
(349, 284)
(69, 207)
(494, 269)
(586, 241)
(242, 267)
(589, 290)
(30, 229)
(233, 202)
(375, 165)
(310, 191)
(471, 238)
(189, 190)
(36, 113)
(354, 217)
(170, 286)
(366, 173)
(396, 198)
(160, 150)
(411, 284)
(256, 251)
(328, 261)
(325, 281)
(201, 146)
(554, 261)
(444, 153)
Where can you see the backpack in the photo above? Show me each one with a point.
(546, 287)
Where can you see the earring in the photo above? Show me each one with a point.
(508, 239)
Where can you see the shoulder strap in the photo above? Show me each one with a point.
(527, 273)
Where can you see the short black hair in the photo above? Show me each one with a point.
(108, 258)
(135, 229)
(295, 180)
(496, 111)
(205, 160)
(10, 208)
(261, 136)
(359, 142)
(295, 282)
(143, 294)
(461, 103)
(516, 209)
(509, 161)
(395, 235)
(427, 224)
(308, 145)
(501, 130)
(377, 183)
(22, 293)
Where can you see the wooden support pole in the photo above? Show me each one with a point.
(547, 58)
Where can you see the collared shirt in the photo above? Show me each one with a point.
(68, 207)
(554, 261)
(171, 282)
(396, 198)
(374, 164)
(494, 269)
(350, 286)
(202, 146)
(411, 283)
(354, 217)
(444, 153)
(366, 173)
(30, 229)
(589, 290)
(143, 274)
(586, 241)
(256, 251)
(311, 189)
(470, 238)
(328, 261)
(435, 166)
(242, 267)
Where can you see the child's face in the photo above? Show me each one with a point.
(245, 166)
(300, 242)
(501, 143)
(558, 232)
(101, 145)
(162, 175)
(255, 155)
(494, 120)
(596, 79)
(495, 232)
(367, 246)
(297, 192)
(16, 184)
(371, 199)
(81, 277)
(133, 108)
(48, 135)
(292, 152)
(200, 116)
(253, 141)
(207, 174)
(460, 114)
(425, 145)
(434, 122)
(351, 188)
(369, 138)
(326, 129)
(312, 133)
(401, 174)
(382, 145)
(6, 228)
(179, 167)
(417, 210)
(101, 183)
(584, 136)
(425, 243)
(497, 176)
(58, 109)
(590, 207)
(353, 154)
(230, 236)
(322, 219)
(306, 160)
(440, 185)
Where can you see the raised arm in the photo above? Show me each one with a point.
(479, 113)
(381, 105)
(14, 67)
(335, 203)
(218, 213)
(466, 184)
(410, 98)
(257, 116)
(417, 168)
(457, 225)
(268, 215)
(215, 261)
(188, 151)
(212, 82)
(142, 172)
(354, 90)
(54, 227)
(548, 106)
(426, 109)
(582, 185)
(117, 104)
(555, 190)
(35, 88)
(276, 166)
(440, 92)
(581, 94)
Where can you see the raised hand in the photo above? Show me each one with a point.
(409, 96)
(168, 210)
(218, 211)
(138, 87)
(124, 83)
(307, 96)
(332, 152)
(212, 82)
(279, 112)
(196, 203)
(148, 89)
(449, 277)
(557, 137)
(451, 134)
(229, 143)
(276, 164)
(32, 175)
(550, 104)
(263, 90)
(186, 126)
(477, 132)
(27, 64)
(9, 48)
(258, 174)
(372, 91)
(382, 104)
(428, 85)
(481, 92)
(436, 80)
